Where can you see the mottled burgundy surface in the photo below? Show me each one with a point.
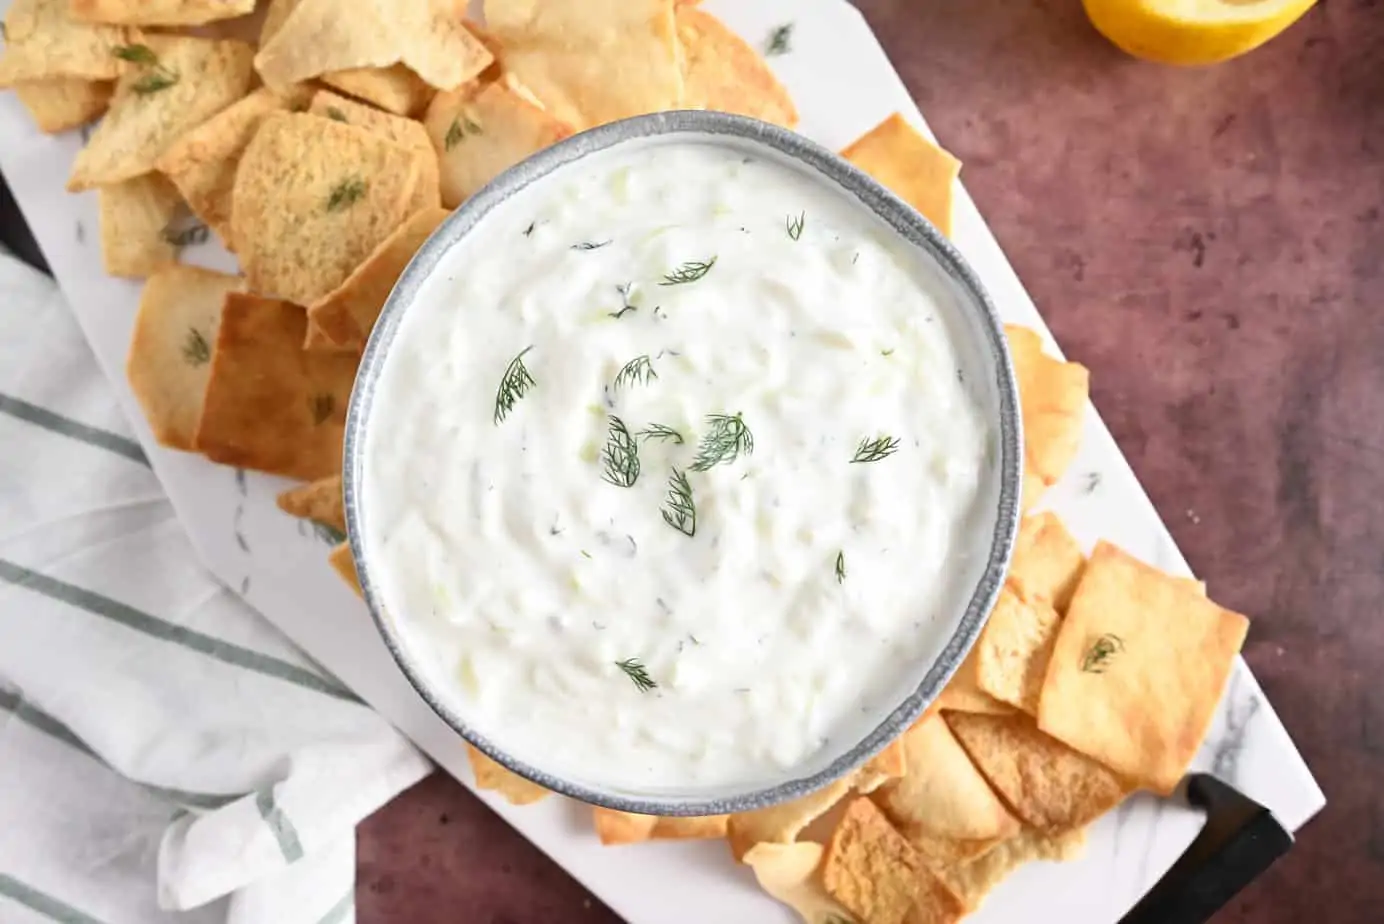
(1209, 243)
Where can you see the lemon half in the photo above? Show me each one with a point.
(1192, 31)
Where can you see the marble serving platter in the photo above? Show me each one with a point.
(278, 564)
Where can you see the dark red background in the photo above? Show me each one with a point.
(1209, 242)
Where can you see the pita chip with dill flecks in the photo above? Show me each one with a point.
(58, 104)
(43, 41)
(909, 165)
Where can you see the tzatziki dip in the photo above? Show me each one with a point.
(674, 474)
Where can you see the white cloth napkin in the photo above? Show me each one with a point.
(165, 754)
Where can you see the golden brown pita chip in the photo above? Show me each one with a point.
(889, 764)
(943, 795)
(591, 61)
(963, 692)
(1049, 786)
(627, 828)
(971, 882)
(42, 41)
(788, 872)
(345, 317)
(394, 89)
(912, 167)
(270, 405)
(1053, 396)
(722, 72)
(202, 162)
(313, 37)
(1139, 666)
(137, 218)
(313, 197)
(780, 824)
(159, 12)
(1047, 560)
(58, 104)
(320, 501)
(869, 868)
(345, 566)
(404, 132)
(193, 79)
(1012, 653)
(170, 352)
(481, 133)
(935, 904)
(491, 775)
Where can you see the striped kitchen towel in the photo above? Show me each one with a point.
(165, 754)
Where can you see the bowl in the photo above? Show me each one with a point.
(976, 327)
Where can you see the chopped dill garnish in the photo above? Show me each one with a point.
(455, 134)
(638, 371)
(658, 431)
(196, 350)
(327, 533)
(688, 272)
(185, 234)
(336, 115)
(136, 54)
(634, 669)
(1099, 655)
(345, 193)
(780, 41)
(154, 82)
(680, 509)
(515, 383)
(727, 439)
(528, 232)
(620, 456)
(840, 567)
(624, 290)
(881, 447)
(796, 225)
(590, 245)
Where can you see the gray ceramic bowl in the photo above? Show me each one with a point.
(979, 324)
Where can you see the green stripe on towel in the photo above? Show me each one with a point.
(66, 426)
(44, 904)
(278, 822)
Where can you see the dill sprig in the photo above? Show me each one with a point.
(796, 225)
(780, 41)
(658, 431)
(136, 54)
(154, 81)
(196, 350)
(461, 127)
(336, 115)
(327, 533)
(624, 289)
(840, 567)
(185, 233)
(881, 447)
(638, 371)
(725, 441)
(621, 455)
(638, 674)
(688, 272)
(680, 509)
(514, 384)
(345, 193)
(1100, 654)
(590, 245)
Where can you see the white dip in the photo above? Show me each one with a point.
(519, 562)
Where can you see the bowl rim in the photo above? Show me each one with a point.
(739, 131)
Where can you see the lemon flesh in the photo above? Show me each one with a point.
(1192, 32)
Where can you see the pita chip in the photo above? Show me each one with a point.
(345, 566)
(320, 501)
(788, 872)
(345, 317)
(1013, 650)
(404, 132)
(781, 824)
(1049, 786)
(43, 41)
(722, 72)
(481, 132)
(58, 104)
(271, 406)
(1052, 395)
(628, 828)
(137, 216)
(591, 61)
(1140, 664)
(394, 89)
(202, 162)
(1047, 560)
(312, 198)
(912, 167)
(171, 350)
(971, 882)
(183, 82)
(159, 12)
(496, 777)
(869, 868)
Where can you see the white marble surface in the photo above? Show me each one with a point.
(278, 563)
